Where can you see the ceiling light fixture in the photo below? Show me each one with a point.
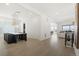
(57, 13)
(7, 4)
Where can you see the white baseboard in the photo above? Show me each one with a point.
(76, 50)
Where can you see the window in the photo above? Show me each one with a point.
(72, 27)
(65, 28)
(68, 28)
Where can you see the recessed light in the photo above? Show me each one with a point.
(7, 4)
(57, 13)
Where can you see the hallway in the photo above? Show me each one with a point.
(34, 47)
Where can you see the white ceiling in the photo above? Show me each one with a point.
(9, 10)
(56, 11)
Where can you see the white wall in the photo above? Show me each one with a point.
(33, 27)
(31, 19)
(37, 25)
(6, 26)
(45, 28)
